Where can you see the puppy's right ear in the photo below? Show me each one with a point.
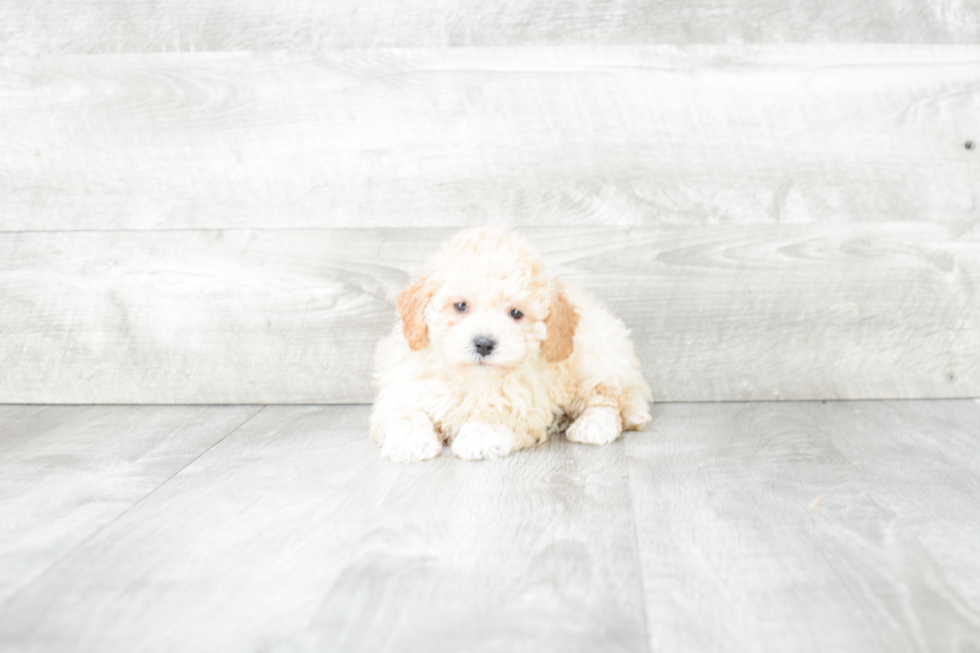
(411, 308)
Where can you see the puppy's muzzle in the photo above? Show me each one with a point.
(483, 346)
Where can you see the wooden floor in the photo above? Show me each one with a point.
(840, 526)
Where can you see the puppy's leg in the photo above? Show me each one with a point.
(636, 408)
(597, 425)
(611, 394)
(410, 439)
(479, 441)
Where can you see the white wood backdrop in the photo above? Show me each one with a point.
(292, 316)
(773, 221)
(87, 26)
(576, 135)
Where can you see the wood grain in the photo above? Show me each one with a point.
(810, 527)
(291, 534)
(844, 526)
(292, 316)
(237, 547)
(533, 553)
(87, 26)
(67, 472)
(525, 136)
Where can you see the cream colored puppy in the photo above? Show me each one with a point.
(492, 352)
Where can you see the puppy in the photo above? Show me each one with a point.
(492, 352)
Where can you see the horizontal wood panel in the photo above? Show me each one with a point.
(292, 316)
(86, 26)
(533, 136)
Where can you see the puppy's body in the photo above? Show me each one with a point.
(492, 351)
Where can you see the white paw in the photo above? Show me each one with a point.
(479, 441)
(408, 441)
(597, 425)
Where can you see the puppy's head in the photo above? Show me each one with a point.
(487, 303)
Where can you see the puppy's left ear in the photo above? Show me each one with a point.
(411, 308)
(562, 321)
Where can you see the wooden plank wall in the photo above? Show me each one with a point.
(218, 203)
(90, 26)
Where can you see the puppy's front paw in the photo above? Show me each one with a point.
(411, 440)
(479, 441)
(597, 425)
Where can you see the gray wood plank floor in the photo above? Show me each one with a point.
(845, 526)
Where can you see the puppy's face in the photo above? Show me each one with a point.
(487, 305)
(490, 323)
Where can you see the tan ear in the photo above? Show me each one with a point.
(561, 321)
(411, 308)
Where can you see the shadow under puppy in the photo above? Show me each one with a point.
(493, 351)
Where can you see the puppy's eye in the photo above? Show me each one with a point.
(516, 314)
(461, 307)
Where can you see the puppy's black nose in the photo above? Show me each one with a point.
(483, 346)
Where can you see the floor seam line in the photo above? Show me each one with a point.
(191, 462)
(639, 551)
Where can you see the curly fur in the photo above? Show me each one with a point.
(565, 358)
